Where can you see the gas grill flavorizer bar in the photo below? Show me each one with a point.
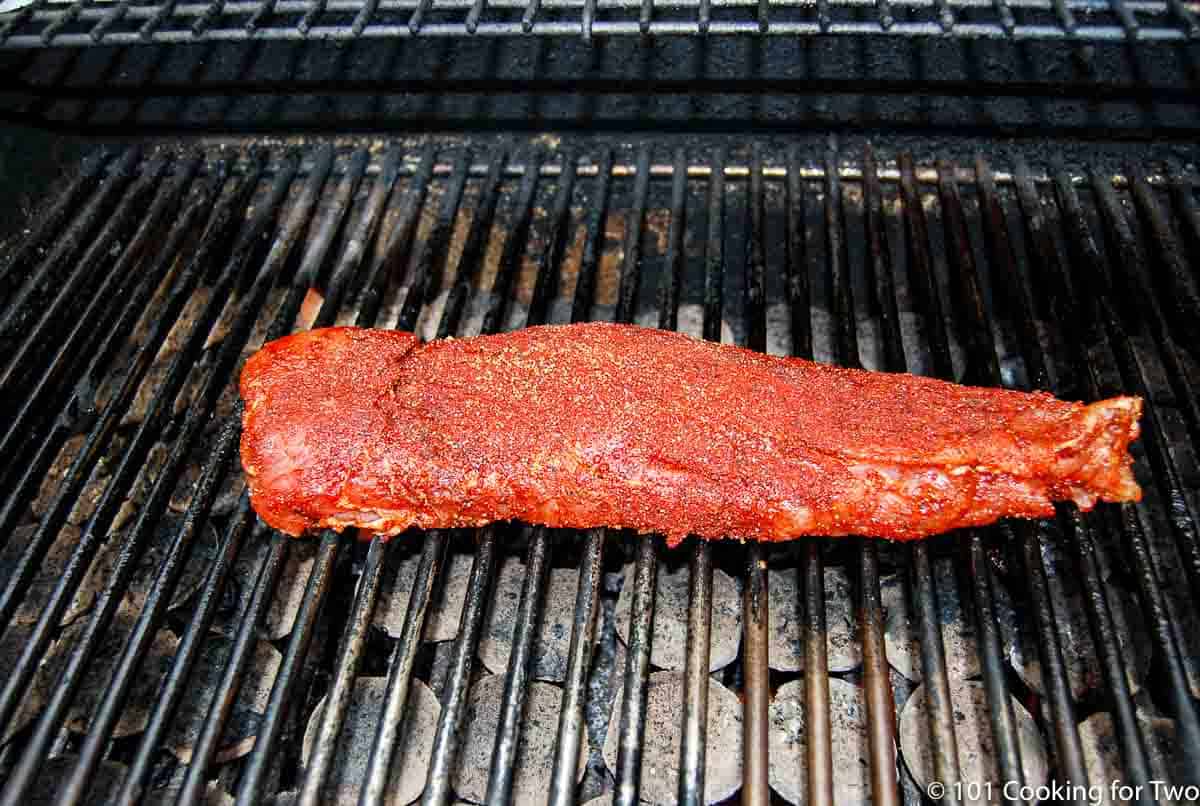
(374, 234)
(86, 23)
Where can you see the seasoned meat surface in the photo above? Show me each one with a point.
(612, 425)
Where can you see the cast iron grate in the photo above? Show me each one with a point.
(86, 23)
(128, 309)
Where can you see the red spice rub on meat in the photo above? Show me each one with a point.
(611, 425)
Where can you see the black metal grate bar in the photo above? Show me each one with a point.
(881, 706)
(818, 725)
(1129, 22)
(401, 670)
(349, 656)
(1085, 252)
(756, 789)
(516, 682)
(17, 496)
(95, 262)
(223, 700)
(111, 18)
(537, 561)
(50, 222)
(210, 15)
(587, 596)
(694, 744)
(925, 604)
(637, 672)
(1099, 324)
(583, 630)
(1135, 363)
(215, 468)
(641, 627)
(471, 259)
(445, 743)
(433, 258)
(173, 687)
(1119, 341)
(399, 242)
(354, 636)
(983, 365)
(297, 221)
(203, 496)
(87, 23)
(756, 685)
(253, 781)
(1183, 201)
(20, 307)
(585, 281)
(631, 269)
(364, 603)
(1149, 576)
(1068, 746)
(348, 265)
(1178, 285)
(317, 586)
(432, 556)
(483, 571)
(350, 260)
(97, 440)
(96, 531)
(68, 360)
(495, 315)
(1150, 586)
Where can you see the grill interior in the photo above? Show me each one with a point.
(161, 646)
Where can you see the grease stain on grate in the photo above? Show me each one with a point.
(668, 648)
(410, 765)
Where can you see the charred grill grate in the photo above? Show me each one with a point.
(87, 23)
(131, 638)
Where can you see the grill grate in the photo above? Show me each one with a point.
(1072, 282)
(87, 23)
